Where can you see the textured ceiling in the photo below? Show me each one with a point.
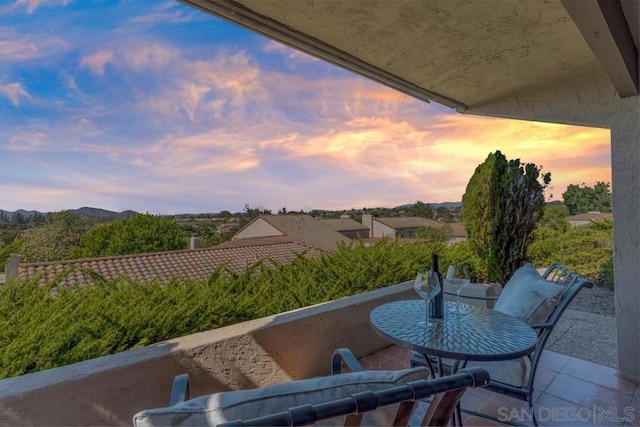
(461, 53)
(472, 51)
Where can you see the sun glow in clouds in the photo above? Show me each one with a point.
(157, 107)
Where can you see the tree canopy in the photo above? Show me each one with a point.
(421, 209)
(582, 199)
(56, 239)
(141, 234)
(501, 205)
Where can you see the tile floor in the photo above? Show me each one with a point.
(568, 392)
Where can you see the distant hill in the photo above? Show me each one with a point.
(84, 212)
(26, 214)
(447, 205)
(102, 213)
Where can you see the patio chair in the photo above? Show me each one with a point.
(539, 300)
(355, 398)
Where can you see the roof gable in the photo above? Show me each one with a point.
(303, 229)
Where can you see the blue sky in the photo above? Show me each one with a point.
(157, 107)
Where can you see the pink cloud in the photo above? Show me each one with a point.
(14, 91)
(97, 61)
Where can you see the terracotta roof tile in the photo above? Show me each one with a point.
(195, 264)
(408, 222)
(343, 224)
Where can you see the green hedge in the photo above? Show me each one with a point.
(42, 328)
(586, 249)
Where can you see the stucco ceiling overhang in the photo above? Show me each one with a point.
(460, 53)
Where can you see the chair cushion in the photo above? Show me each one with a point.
(232, 405)
(528, 296)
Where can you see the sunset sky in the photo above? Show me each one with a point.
(156, 107)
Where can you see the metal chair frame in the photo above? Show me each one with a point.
(573, 284)
(446, 393)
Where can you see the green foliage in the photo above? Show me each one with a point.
(444, 214)
(501, 205)
(7, 251)
(8, 237)
(41, 328)
(584, 249)
(462, 253)
(584, 199)
(430, 234)
(56, 239)
(606, 272)
(422, 210)
(140, 234)
(555, 217)
(433, 234)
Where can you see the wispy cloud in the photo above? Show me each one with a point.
(31, 5)
(128, 108)
(289, 53)
(167, 12)
(13, 91)
(97, 61)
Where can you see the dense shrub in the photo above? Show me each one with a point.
(584, 249)
(606, 272)
(43, 327)
(56, 239)
(143, 233)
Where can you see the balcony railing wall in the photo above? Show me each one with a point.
(109, 390)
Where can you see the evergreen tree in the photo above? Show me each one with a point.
(501, 205)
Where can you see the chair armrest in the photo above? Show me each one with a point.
(541, 325)
(344, 355)
(462, 295)
(180, 390)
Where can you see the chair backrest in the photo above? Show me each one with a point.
(573, 284)
(367, 397)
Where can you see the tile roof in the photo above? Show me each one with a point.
(343, 224)
(195, 264)
(457, 229)
(398, 223)
(408, 222)
(303, 229)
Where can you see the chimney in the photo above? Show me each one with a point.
(367, 220)
(194, 242)
(11, 266)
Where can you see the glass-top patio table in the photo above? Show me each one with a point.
(481, 334)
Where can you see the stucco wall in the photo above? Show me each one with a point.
(260, 228)
(110, 390)
(381, 230)
(590, 100)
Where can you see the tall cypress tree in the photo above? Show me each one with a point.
(501, 205)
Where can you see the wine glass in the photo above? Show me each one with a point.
(427, 288)
(458, 277)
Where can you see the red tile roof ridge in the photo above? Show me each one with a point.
(256, 241)
(284, 239)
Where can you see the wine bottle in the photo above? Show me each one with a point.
(436, 305)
